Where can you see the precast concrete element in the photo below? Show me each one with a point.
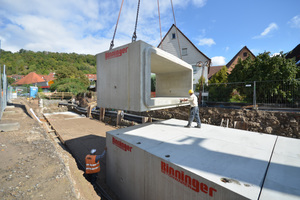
(283, 177)
(124, 78)
(167, 161)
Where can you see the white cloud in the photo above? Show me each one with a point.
(218, 60)
(295, 22)
(275, 54)
(199, 3)
(82, 26)
(227, 49)
(272, 27)
(206, 41)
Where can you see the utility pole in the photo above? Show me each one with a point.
(200, 64)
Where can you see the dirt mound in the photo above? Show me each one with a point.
(270, 122)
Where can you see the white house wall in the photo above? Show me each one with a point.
(193, 55)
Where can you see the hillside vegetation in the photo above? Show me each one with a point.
(24, 62)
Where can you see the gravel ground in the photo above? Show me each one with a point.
(33, 164)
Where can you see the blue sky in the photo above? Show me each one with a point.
(219, 28)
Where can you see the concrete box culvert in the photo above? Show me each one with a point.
(124, 78)
(167, 161)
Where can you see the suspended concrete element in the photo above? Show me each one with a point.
(124, 78)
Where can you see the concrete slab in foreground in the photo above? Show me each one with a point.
(283, 177)
(167, 161)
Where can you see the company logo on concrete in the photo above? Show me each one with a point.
(121, 145)
(116, 53)
(186, 180)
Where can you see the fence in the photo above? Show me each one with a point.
(3, 88)
(279, 94)
(66, 95)
(22, 91)
(56, 95)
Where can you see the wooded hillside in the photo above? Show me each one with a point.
(24, 62)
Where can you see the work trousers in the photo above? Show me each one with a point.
(92, 178)
(194, 113)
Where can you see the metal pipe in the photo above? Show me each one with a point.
(35, 115)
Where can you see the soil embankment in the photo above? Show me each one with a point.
(270, 122)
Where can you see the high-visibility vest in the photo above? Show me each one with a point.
(91, 166)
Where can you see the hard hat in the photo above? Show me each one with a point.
(191, 91)
(93, 151)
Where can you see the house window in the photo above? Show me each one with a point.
(195, 69)
(184, 51)
(245, 54)
(173, 36)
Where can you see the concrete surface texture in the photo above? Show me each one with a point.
(124, 78)
(283, 177)
(7, 123)
(167, 161)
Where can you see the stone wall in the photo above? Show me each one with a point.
(270, 122)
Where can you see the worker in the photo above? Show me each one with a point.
(194, 112)
(92, 165)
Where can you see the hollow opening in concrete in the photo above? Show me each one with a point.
(173, 79)
(153, 85)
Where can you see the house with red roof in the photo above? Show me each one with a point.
(91, 77)
(42, 81)
(16, 76)
(31, 78)
(242, 54)
(213, 70)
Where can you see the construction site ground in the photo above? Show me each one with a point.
(35, 164)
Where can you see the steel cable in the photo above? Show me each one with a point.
(112, 41)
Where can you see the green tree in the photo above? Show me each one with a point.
(153, 82)
(220, 77)
(10, 80)
(264, 67)
(70, 79)
(199, 85)
(25, 61)
(69, 85)
(267, 70)
(217, 88)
